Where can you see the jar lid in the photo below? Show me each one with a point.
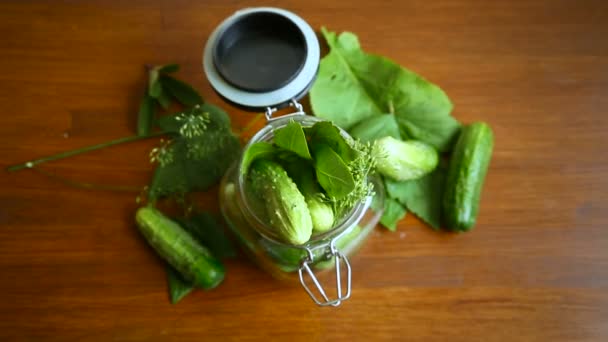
(261, 58)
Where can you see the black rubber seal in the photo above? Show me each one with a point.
(260, 52)
(275, 105)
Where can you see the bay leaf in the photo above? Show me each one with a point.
(332, 173)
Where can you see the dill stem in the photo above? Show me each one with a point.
(30, 164)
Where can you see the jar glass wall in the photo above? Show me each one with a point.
(283, 260)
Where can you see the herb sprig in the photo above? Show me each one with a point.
(196, 147)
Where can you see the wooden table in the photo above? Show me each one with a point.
(73, 267)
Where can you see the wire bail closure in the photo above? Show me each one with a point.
(292, 103)
(339, 259)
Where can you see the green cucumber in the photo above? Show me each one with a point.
(285, 205)
(466, 174)
(192, 260)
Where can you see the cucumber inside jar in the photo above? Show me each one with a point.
(302, 182)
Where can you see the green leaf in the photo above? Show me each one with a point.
(220, 150)
(286, 158)
(145, 116)
(433, 130)
(182, 91)
(168, 68)
(168, 180)
(393, 213)
(292, 138)
(206, 230)
(376, 127)
(164, 100)
(332, 173)
(216, 150)
(338, 94)
(154, 86)
(256, 151)
(178, 287)
(326, 133)
(297, 168)
(168, 123)
(421, 196)
(353, 85)
(218, 117)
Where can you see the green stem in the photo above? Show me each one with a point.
(391, 107)
(30, 164)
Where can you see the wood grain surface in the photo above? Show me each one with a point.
(73, 267)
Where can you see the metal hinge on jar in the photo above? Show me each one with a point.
(293, 103)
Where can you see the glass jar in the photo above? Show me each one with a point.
(323, 252)
(264, 59)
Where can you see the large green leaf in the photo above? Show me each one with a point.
(376, 127)
(393, 213)
(178, 287)
(194, 169)
(353, 85)
(168, 68)
(182, 91)
(197, 162)
(217, 116)
(163, 99)
(421, 196)
(208, 232)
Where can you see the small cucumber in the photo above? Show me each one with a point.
(285, 205)
(192, 260)
(321, 211)
(466, 174)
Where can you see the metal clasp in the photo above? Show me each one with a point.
(293, 103)
(339, 258)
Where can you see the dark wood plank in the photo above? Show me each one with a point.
(74, 267)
